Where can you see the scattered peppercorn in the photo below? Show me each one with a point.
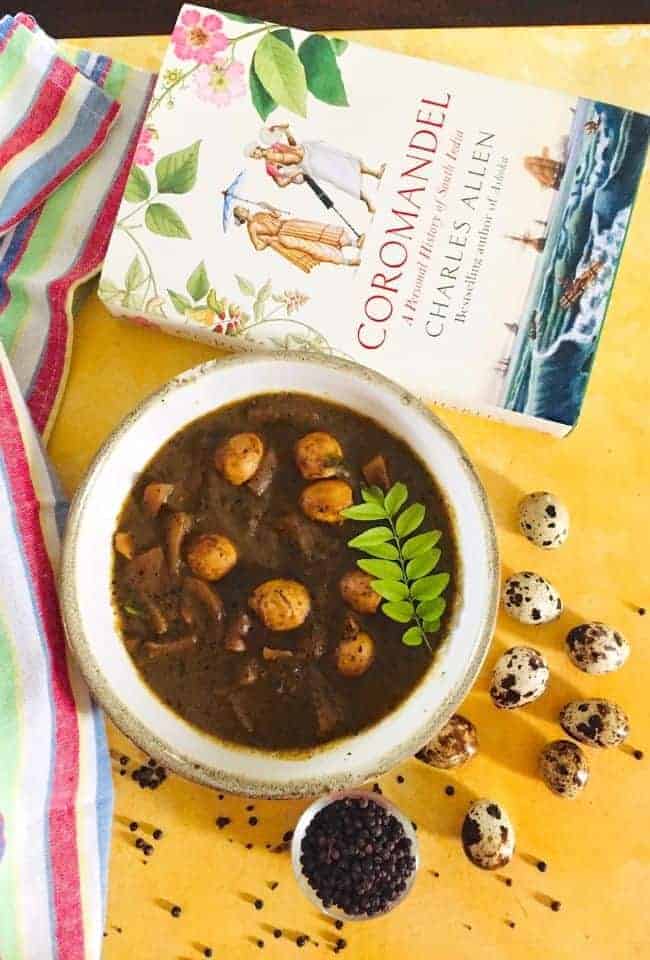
(638, 754)
(152, 762)
(556, 905)
(251, 806)
(512, 924)
(277, 933)
(399, 778)
(133, 826)
(157, 834)
(176, 911)
(508, 881)
(145, 776)
(338, 924)
(449, 790)
(222, 822)
(356, 856)
(122, 773)
(249, 846)
(542, 866)
(147, 849)
(123, 760)
(260, 944)
(139, 843)
(287, 836)
(252, 821)
(301, 940)
(435, 873)
(376, 788)
(341, 944)
(273, 884)
(642, 611)
(221, 796)
(207, 952)
(414, 824)
(258, 904)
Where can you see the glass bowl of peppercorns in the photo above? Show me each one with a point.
(354, 855)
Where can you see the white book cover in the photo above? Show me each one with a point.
(458, 232)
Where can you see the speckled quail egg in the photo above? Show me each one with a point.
(520, 676)
(596, 648)
(563, 767)
(544, 520)
(488, 835)
(598, 723)
(453, 745)
(530, 598)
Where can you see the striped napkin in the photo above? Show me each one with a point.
(69, 126)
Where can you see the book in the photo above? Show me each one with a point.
(457, 232)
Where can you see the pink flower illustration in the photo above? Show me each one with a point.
(220, 82)
(143, 155)
(199, 38)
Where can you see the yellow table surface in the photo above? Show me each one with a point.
(597, 847)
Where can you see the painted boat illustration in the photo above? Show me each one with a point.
(547, 172)
(536, 243)
(573, 289)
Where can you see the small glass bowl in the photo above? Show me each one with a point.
(296, 850)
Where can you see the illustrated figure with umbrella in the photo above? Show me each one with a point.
(305, 243)
(312, 162)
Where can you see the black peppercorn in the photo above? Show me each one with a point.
(260, 944)
(207, 952)
(147, 849)
(638, 754)
(556, 905)
(252, 821)
(338, 924)
(139, 843)
(399, 778)
(258, 904)
(449, 790)
(133, 826)
(176, 911)
(222, 822)
(542, 866)
(277, 933)
(301, 940)
(123, 761)
(157, 834)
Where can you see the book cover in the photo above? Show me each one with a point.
(458, 232)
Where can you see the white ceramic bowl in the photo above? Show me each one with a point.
(87, 563)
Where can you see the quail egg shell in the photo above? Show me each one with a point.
(596, 648)
(544, 520)
(563, 767)
(520, 676)
(530, 598)
(598, 723)
(488, 835)
(453, 745)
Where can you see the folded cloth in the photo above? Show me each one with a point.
(62, 243)
(55, 782)
(52, 120)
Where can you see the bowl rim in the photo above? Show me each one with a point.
(126, 719)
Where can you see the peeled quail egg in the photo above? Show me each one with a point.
(488, 835)
(598, 723)
(564, 768)
(454, 744)
(520, 676)
(544, 520)
(530, 598)
(596, 648)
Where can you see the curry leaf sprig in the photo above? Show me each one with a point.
(402, 561)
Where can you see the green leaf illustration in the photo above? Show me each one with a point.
(430, 587)
(135, 275)
(284, 34)
(246, 287)
(410, 520)
(161, 219)
(400, 610)
(213, 300)
(364, 511)
(339, 45)
(390, 589)
(240, 18)
(382, 569)
(260, 97)
(282, 74)
(176, 172)
(371, 537)
(431, 626)
(420, 544)
(322, 71)
(395, 498)
(138, 187)
(420, 566)
(413, 637)
(198, 284)
(181, 303)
